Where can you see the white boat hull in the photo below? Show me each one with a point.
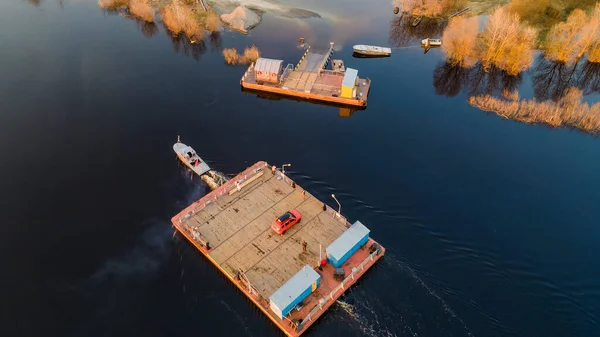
(431, 42)
(372, 50)
(189, 157)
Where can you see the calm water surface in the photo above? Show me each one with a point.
(491, 226)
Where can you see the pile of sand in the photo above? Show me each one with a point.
(242, 19)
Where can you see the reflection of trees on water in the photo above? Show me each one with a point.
(181, 44)
(551, 79)
(215, 41)
(148, 29)
(590, 78)
(402, 31)
(37, 3)
(450, 80)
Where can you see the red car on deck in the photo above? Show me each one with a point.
(286, 221)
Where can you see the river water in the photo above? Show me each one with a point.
(491, 226)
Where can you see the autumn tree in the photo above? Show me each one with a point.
(507, 43)
(433, 8)
(536, 11)
(142, 9)
(563, 42)
(460, 40)
(179, 18)
(591, 36)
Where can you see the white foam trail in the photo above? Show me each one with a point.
(239, 318)
(431, 292)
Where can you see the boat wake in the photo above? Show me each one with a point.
(391, 259)
(144, 258)
(368, 326)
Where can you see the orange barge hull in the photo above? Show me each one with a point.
(305, 95)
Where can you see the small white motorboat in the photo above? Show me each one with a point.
(190, 158)
(431, 42)
(372, 50)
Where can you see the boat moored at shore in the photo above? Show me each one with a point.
(371, 50)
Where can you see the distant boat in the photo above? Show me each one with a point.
(372, 50)
(417, 20)
(431, 42)
(190, 158)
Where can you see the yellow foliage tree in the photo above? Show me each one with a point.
(563, 40)
(591, 36)
(507, 43)
(460, 41)
(178, 18)
(142, 9)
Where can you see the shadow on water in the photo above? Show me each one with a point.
(403, 33)
(450, 80)
(362, 56)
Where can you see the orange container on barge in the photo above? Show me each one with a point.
(293, 278)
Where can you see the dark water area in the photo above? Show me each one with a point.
(491, 226)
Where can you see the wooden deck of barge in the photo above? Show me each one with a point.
(231, 227)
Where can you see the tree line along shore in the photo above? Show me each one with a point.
(509, 42)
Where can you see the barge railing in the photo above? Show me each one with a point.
(232, 185)
(342, 284)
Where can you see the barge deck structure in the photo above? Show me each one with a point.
(309, 79)
(231, 227)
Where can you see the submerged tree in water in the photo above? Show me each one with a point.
(569, 110)
(563, 40)
(507, 43)
(142, 9)
(179, 18)
(460, 41)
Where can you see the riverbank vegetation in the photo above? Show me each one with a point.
(508, 42)
(460, 41)
(179, 18)
(142, 9)
(184, 17)
(113, 4)
(569, 110)
(505, 42)
(232, 57)
(432, 8)
(579, 35)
